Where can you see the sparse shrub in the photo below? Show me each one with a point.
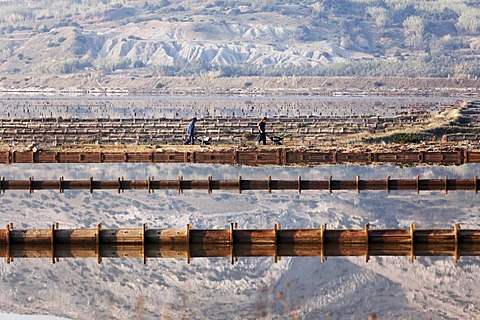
(407, 138)
(248, 136)
(138, 64)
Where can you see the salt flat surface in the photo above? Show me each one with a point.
(252, 288)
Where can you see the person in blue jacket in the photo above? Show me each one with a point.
(191, 132)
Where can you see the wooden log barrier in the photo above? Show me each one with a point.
(274, 156)
(146, 243)
(445, 184)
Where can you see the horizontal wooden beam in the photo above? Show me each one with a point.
(273, 156)
(240, 184)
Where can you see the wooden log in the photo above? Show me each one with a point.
(434, 236)
(133, 235)
(344, 236)
(162, 236)
(209, 236)
(385, 236)
(242, 236)
(298, 236)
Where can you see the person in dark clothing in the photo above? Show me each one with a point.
(191, 132)
(261, 129)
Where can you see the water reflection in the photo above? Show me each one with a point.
(236, 251)
(253, 287)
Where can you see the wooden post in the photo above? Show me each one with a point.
(91, 184)
(475, 179)
(52, 242)
(239, 184)
(412, 242)
(144, 256)
(180, 190)
(2, 186)
(98, 240)
(187, 242)
(231, 233)
(456, 227)
(417, 179)
(60, 185)
(367, 254)
(150, 188)
(30, 185)
(387, 184)
(235, 226)
(446, 185)
(299, 184)
(209, 184)
(119, 185)
(275, 228)
(7, 244)
(322, 239)
(232, 259)
(330, 184)
(269, 186)
(357, 179)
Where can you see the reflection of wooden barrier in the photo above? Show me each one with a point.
(275, 156)
(240, 184)
(190, 243)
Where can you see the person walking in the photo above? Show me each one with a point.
(261, 129)
(191, 132)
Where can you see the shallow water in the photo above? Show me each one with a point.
(148, 107)
(392, 287)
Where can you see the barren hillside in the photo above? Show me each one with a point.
(232, 38)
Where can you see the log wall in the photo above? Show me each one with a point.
(55, 243)
(275, 156)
